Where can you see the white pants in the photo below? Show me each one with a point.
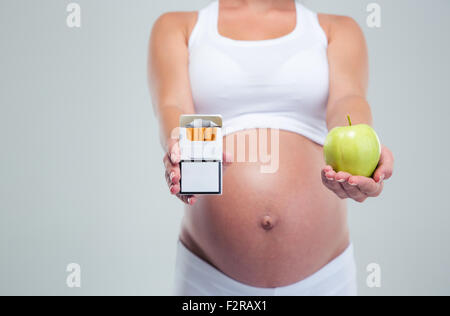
(195, 277)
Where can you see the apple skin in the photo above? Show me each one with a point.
(354, 149)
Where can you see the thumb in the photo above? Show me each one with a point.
(227, 159)
(175, 153)
(385, 165)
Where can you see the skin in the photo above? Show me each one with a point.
(267, 230)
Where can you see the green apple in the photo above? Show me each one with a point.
(354, 149)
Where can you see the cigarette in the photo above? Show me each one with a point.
(207, 134)
(189, 134)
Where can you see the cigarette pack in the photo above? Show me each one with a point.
(201, 154)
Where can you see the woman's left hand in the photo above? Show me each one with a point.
(359, 188)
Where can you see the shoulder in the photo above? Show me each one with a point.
(176, 19)
(181, 23)
(338, 26)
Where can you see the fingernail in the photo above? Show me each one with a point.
(189, 200)
(381, 178)
(353, 184)
(172, 174)
(341, 180)
(330, 179)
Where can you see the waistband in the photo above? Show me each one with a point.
(329, 280)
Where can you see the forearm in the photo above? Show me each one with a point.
(355, 106)
(169, 116)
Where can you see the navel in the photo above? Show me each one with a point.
(267, 223)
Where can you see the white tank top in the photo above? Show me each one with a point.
(280, 83)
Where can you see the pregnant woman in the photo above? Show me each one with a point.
(279, 67)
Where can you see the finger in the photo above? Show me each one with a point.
(328, 179)
(366, 185)
(174, 188)
(329, 173)
(328, 168)
(174, 175)
(173, 172)
(175, 153)
(170, 184)
(342, 177)
(188, 199)
(354, 192)
(183, 198)
(385, 165)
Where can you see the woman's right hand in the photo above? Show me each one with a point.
(172, 163)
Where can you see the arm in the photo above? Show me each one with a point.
(348, 65)
(170, 87)
(168, 73)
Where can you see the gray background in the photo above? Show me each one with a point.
(81, 178)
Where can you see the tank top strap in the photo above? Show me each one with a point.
(203, 26)
(309, 23)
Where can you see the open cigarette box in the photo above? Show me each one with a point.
(201, 154)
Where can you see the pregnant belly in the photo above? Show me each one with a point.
(273, 226)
